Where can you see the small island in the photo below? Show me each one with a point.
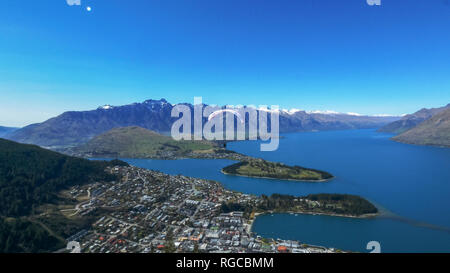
(265, 169)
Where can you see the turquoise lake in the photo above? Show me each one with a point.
(410, 184)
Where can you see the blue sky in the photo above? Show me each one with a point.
(343, 55)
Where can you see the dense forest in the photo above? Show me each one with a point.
(30, 177)
(17, 235)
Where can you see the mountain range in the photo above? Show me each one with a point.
(412, 120)
(77, 127)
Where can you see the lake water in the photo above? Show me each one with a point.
(410, 183)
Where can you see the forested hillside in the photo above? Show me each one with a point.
(30, 177)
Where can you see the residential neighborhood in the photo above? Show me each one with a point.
(151, 212)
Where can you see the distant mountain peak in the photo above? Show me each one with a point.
(161, 101)
(292, 111)
(331, 112)
(326, 112)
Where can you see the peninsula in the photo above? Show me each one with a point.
(345, 205)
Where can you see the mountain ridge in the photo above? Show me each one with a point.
(433, 131)
(73, 128)
(411, 120)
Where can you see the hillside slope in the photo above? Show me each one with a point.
(411, 121)
(31, 177)
(137, 142)
(434, 131)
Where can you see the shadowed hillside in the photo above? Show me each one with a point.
(31, 177)
(411, 121)
(434, 131)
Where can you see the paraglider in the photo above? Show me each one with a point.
(219, 112)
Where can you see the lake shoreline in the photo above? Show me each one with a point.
(373, 176)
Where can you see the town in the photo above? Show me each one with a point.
(151, 212)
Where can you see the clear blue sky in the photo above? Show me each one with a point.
(341, 55)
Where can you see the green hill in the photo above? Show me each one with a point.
(434, 131)
(137, 142)
(31, 177)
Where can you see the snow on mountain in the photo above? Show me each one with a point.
(106, 107)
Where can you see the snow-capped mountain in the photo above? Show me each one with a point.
(72, 128)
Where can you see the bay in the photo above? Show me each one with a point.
(411, 185)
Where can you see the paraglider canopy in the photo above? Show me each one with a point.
(219, 112)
